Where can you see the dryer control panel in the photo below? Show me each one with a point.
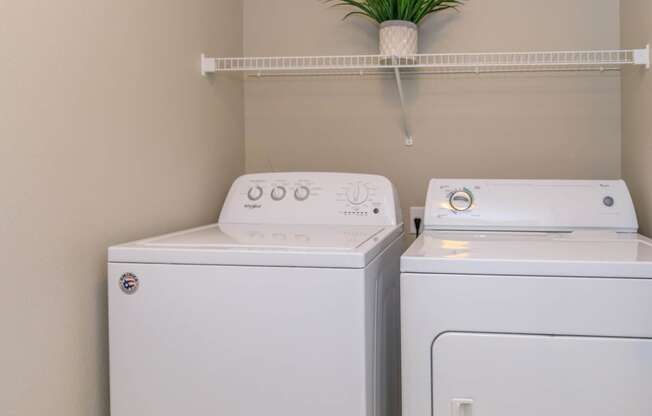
(529, 205)
(312, 198)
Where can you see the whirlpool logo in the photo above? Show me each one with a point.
(129, 283)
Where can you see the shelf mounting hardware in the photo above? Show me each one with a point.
(642, 56)
(409, 140)
(208, 65)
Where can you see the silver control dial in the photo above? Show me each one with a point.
(255, 193)
(358, 194)
(278, 193)
(461, 201)
(302, 193)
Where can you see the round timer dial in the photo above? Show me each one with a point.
(358, 194)
(461, 201)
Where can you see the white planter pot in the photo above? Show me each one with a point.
(398, 38)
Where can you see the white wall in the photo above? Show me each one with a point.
(636, 25)
(107, 133)
(502, 126)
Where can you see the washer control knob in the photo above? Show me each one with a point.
(255, 193)
(358, 194)
(302, 193)
(461, 201)
(278, 193)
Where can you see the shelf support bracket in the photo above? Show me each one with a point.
(409, 140)
(642, 56)
(208, 65)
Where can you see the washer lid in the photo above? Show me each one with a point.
(262, 245)
(576, 254)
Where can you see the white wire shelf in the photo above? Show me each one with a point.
(435, 63)
(440, 63)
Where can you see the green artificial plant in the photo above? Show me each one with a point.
(409, 10)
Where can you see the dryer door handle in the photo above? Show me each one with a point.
(462, 407)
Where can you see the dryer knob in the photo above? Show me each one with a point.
(461, 201)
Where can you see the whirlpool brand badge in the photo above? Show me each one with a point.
(129, 283)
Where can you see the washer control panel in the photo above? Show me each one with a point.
(529, 205)
(312, 198)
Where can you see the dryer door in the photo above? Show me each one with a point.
(530, 375)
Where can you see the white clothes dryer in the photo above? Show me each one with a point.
(527, 298)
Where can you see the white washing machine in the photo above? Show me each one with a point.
(288, 306)
(527, 298)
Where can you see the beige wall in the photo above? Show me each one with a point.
(636, 22)
(107, 133)
(502, 126)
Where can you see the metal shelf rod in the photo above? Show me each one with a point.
(364, 73)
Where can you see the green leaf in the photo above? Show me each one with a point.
(383, 10)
